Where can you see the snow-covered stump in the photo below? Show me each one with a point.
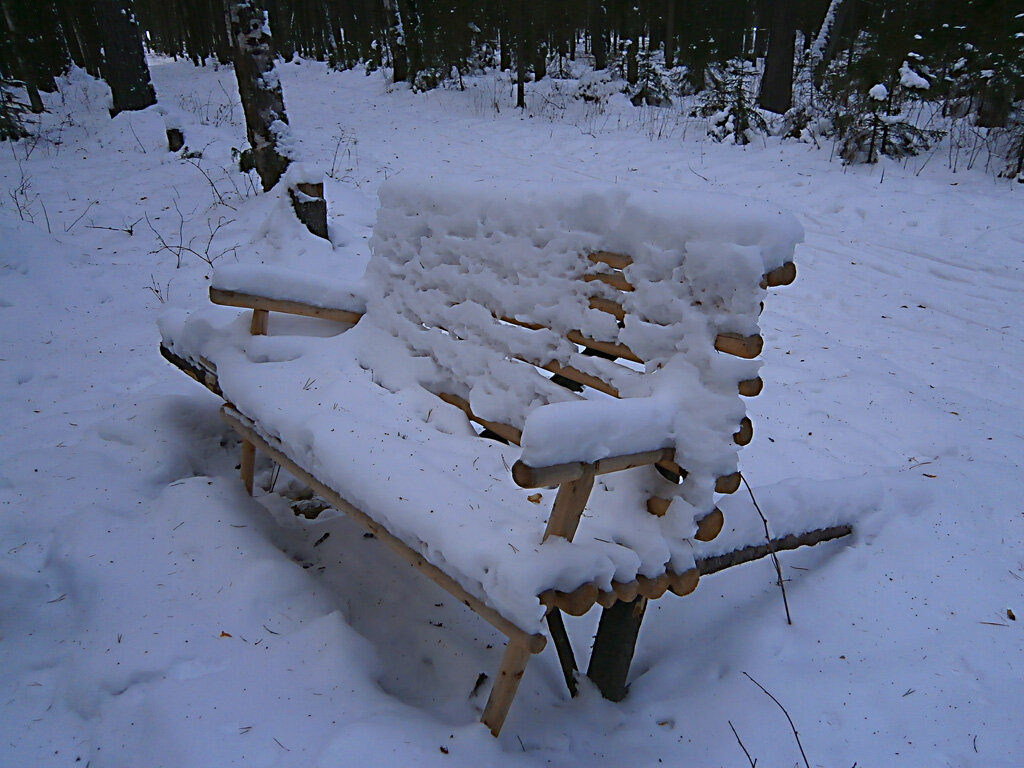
(175, 139)
(310, 206)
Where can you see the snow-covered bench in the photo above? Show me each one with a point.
(605, 338)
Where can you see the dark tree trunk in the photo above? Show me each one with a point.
(777, 83)
(396, 41)
(842, 18)
(124, 63)
(670, 33)
(505, 55)
(32, 47)
(520, 22)
(599, 33)
(614, 646)
(409, 14)
(259, 88)
(82, 35)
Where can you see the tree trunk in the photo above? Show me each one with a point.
(259, 88)
(396, 41)
(124, 63)
(521, 33)
(598, 33)
(614, 646)
(670, 33)
(777, 83)
(825, 48)
(82, 35)
(409, 15)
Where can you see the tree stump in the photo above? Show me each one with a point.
(614, 646)
(311, 207)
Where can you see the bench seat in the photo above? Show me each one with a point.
(424, 476)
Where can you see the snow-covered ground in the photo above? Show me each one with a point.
(151, 614)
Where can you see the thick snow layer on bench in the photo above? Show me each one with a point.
(289, 285)
(452, 256)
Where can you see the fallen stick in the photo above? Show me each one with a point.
(716, 563)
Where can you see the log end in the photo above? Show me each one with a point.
(728, 483)
(783, 275)
(709, 526)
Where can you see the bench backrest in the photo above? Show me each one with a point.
(498, 288)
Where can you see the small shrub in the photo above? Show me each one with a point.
(730, 106)
(11, 113)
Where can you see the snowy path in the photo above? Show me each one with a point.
(151, 615)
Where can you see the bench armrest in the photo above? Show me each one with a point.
(286, 290)
(560, 439)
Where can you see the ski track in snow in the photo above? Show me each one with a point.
(152, 614)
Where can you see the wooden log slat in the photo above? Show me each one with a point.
(747, 347)
(653, 589)
(608, 347)
(745, 433)
(252, 301)
(783, 275)
(670, 466)
(574, 374)
(206, 377)
(616, 280)
(728, 483)
(609, 306)
(709, 526)
(510, 673)
(533, 643)
(658, 506)
(613, 260)
(751, 387)
(526, 476)
(686, 582)
(510, 433)
(625, 591)
(682, 584)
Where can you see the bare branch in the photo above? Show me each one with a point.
(790, 719)
(771, 549)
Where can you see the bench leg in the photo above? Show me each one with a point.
(614, 646)
(564, 648)
(248, 465)
(513, 665)
(258, 325)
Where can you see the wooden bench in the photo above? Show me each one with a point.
(611, 336)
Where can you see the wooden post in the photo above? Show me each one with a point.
(258, 326)
(513, 665)
(248, 465)
(563, 647)
(569, 503)
(614, 646)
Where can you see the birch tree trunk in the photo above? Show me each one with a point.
(259, 88)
